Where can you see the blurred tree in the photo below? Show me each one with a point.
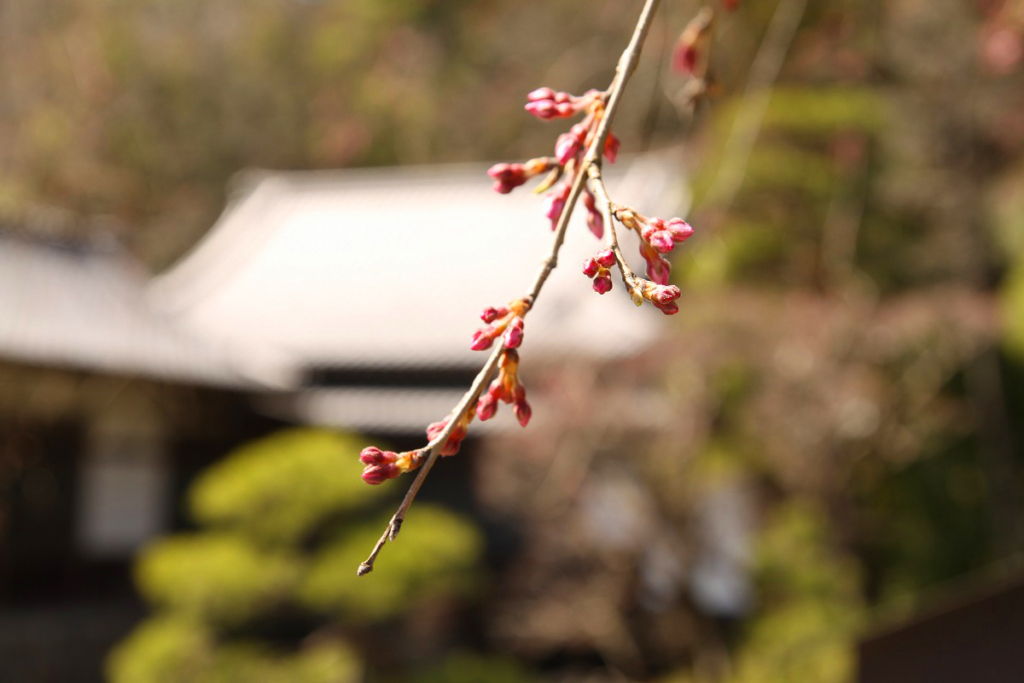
(265, 590)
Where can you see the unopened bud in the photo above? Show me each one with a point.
(514, 334)
(663, 294)
(661, 240)
(544, 93)
(605, 258)
(375, 456)
(543, 109)
(490, 314)
(507, 176)
(483, 338)
(611, 148)
(566, 109)
(595, 221)
(522, 411)
(378, 474)
(590, 267)
(567, 147)
(602, 281)
(679, 229)
(486, 407)
(669, 309)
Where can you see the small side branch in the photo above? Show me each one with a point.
(604, 202)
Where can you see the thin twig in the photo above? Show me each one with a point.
(629, 278)
(626, 66)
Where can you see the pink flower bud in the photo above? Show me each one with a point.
(483, 338)
(556, 204)
(590, 267)
(661, 240)
(378, 474)
(684, 58)
(522, 411)
(490, 314)
(545, 103)
(514, 334)
(663, 294)
(668, 309)
(606, 258)
(375, 456)
(455, 439)
(567, 147)
(544, 93)
(435, 428)
(486, 407)
(658, 269)
(602, 281)
(451, 446)
(611, 148)
(543, 109)
(679, 229)
(507, 176)
(595, 221)
(497, 390)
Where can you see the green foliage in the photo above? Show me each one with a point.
(1008, 230)
(280, 488)
(216, 577)
(739, 252)
(175, 650)
(257, 558)
(811, 609)
(1013, 313)
(816, 110)
(926, 521)
(161, 650)
(467, 667)
(436, 556)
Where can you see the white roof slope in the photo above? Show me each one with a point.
(391, 267)
(82, 305)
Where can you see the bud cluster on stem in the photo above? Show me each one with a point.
(384, 465)
(506, 388)
(578, 155)
(506, 320)
(657, 237)
(599, 269)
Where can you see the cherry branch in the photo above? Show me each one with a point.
(426, 457)
(629, 278)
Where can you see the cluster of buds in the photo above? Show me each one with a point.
(546, 103)
(598, 267)
(454, 442)
(506, 388)
(384, 465)
(507, 177)
(662, 296)
(506, 320)
(657, 237)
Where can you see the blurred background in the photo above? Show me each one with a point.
(241, 241)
